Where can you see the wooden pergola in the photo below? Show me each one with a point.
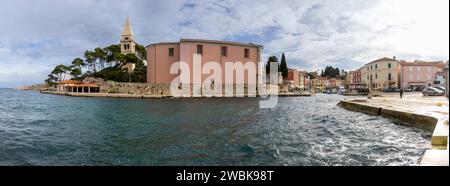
(83, 88)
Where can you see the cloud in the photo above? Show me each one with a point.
(312, 33)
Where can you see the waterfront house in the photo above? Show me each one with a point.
(333, 82)
(319, 84)
(76, 86)
(161, 57)
(439, 79)
(381, 74)
(302, 80)
(307, 82)
(83, 88)
(419, 74)
(297, 79)
(354, 80)
(293, 76)
(62, 86)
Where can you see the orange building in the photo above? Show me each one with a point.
(293, 77)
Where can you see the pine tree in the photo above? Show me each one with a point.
(283, 67)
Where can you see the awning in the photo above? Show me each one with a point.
(417, 83)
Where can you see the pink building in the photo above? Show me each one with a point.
(161, 56)
(293, 76)
(419, 74)
(354, 79)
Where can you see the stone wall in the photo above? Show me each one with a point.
(399, 117)
(136, 88)
(163, 89)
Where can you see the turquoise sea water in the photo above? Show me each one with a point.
(40, 129)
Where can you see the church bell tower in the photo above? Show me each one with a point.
(127, 42)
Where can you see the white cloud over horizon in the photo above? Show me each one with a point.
(36, 35)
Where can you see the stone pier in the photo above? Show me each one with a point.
(428, 113)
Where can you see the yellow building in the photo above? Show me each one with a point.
(319, 84)
(381, 74)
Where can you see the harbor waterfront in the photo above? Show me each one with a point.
(43, 129)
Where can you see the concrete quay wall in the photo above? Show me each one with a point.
(438, 155)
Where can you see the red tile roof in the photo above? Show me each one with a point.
(83, 85)
(69, 82)
(383, 59)
(422, 63)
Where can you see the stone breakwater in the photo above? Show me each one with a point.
(426, 116)
(37, 87)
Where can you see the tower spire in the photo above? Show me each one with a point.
(127, 42)
(127, 31)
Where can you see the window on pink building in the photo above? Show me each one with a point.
(246, 53)
(200, 49)
(224, 51)
(171, 52)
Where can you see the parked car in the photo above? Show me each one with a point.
(409, 89)
(441, 88)
(332, 91)
(341, 91)
(431, 91)
(390, 90)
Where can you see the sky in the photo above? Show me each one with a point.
(37, 35)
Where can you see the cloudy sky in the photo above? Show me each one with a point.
(36, 35)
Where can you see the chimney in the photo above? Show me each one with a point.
(393, 57)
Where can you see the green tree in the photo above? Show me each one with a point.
(113, 55)
(78, 63)
(60, 72)
(310, 75)
(75, 72)
(271, 59)
(51, 80)
(89, 57)
(283, 67)
(141, 52)
(331, 72)
(104, 63)
(100, 57)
